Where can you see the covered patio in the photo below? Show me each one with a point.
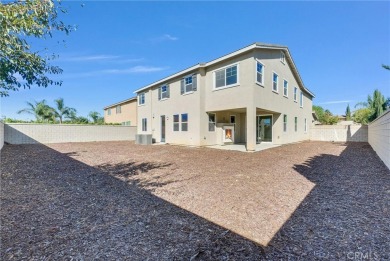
(244, 129)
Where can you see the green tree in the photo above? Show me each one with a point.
(81, 120)
(377, 104)
(41, 111)
(96, 117)
(348, 113)
(325, 116)
(20, 65)
(362, 115)
(61, 111)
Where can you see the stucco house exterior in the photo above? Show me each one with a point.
(123, 112)
(249, 96)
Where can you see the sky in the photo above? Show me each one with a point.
(121, 46)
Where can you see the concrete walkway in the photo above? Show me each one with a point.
(242, 147)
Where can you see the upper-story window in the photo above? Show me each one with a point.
(163, 92)
(301, 99)
(226, 77)
(188, 84)
(295, 93)
(285, 88)
(141, 98)
(260, 73)
(275, 80)
(118, 109)
(109, 112)
(282, 57)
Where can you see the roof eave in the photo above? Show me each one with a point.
(121, 102)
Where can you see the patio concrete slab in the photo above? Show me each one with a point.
(242, 147)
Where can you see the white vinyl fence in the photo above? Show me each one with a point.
(379, 137)
(27, 133)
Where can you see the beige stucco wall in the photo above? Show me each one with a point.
(245, 100)
(56, 133)
(340, 133)
(265, 98)
(379, 137)
(128, 113)
(1, 134)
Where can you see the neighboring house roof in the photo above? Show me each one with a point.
(230, 55)
(121, 102)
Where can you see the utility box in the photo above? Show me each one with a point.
(143, 139)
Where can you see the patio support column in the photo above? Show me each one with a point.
(251, 128)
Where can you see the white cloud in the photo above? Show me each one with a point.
(169, 37)
(88, 58)
(336, 102)
(135, 69)
(165, 37)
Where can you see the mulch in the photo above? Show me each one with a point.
(121, 201)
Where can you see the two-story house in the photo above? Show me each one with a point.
(123, 112)
(249, 96)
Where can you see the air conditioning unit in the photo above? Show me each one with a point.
(143, 139)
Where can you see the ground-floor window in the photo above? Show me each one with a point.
(305, 125)
(285, 123)
(212, 121)
(176, 122)
(296, 123)
(184, 122)
(144, 124)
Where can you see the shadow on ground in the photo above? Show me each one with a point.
(55, 207)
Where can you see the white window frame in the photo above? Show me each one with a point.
(118, 109)
(305, 125)
(230, 85)
(185, 85)
(161, 91)
(260, 83)
(295, 94)
(215, 123)
(282, 57)
(140, 99)
(285, 81)
(183, 122)
(144, 124)
(174, 122)
(277, 82)
(285, 122)
(295, 124)
(301, 99)
(109, 111)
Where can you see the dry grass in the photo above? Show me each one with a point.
(117, 200)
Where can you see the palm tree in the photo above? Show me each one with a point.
(95, 116)
(61, 111)
(39, 109)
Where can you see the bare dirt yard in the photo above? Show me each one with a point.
(121, 201)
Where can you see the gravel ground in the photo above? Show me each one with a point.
(121, 201)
